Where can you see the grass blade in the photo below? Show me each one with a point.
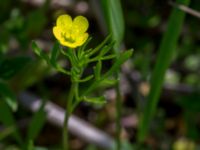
(115, 21)
(166, 51)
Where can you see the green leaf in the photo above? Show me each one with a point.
(7, 118)
(103, 51)
(108, 82)
(82, 48)
(11, 66)
(40, 52)
(100, 46)
(114, 19)
(86, 78)
(166, 52)
(116, 66)
(95, 100)
(106, 49)
(36, 49)
(7, 95)
(36, 124)
(97, 70)
(108, 57)
(119, 61)
(7, 132)
(53, 59)
(54, 54)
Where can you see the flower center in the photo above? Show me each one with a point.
(68, 38)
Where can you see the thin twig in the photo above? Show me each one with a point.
(185, 9)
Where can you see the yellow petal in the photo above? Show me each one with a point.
(80, 24)
(64, 22)
(57, 32)
(68, 44)
(82, 39)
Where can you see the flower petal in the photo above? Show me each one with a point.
(67, 43)
(80, 24)
(57, 32)
(64, 22)
(82, 39)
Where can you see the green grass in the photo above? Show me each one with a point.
(164, 59)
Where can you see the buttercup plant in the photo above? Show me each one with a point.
(72, 44)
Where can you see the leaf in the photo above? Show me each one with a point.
(97, 70)
(39, 52)
(7, 118)
(7, 132)
(108, 57)
(11, 66)
(116, 66)
(8, 96)
(114, 19)
(106, 49)
(54, 54)
(36, 124)
(83, 47)
(95, 100)
(53, 59)
(119, 61)
(165, 55)
(100, 46)
(86, 78)
(108, 82)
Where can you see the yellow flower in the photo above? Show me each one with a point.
(71, 33)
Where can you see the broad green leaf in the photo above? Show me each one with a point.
(11, 66)
(7, 95)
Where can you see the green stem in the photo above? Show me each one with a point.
(118, 114)
(68, 112)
